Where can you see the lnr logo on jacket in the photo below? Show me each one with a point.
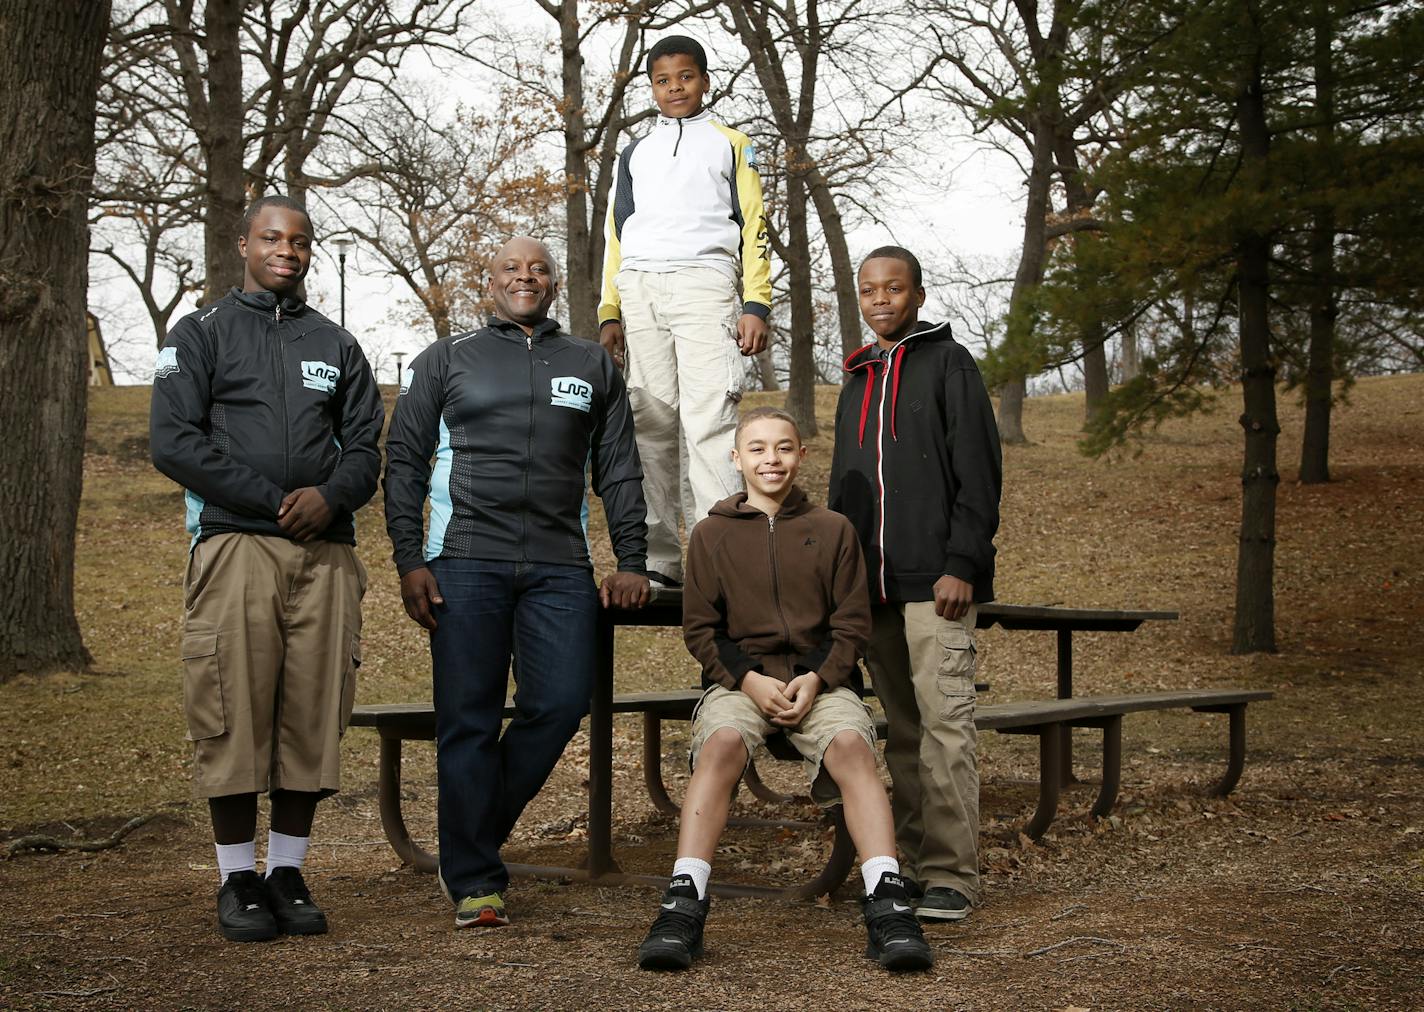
(167, 363)
(320, 376)
(571, 392)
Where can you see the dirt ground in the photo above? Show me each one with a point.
(1303, 890)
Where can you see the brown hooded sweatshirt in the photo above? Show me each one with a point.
(782, 595)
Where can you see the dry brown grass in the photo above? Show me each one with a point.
(1303, 890)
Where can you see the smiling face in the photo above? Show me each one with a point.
(890, 300)
(678, 85)
(768, 453)
(523, 283)
(276, 251)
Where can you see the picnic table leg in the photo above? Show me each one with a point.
(1050, 777)
(653, 765)
(1112, 768)
(1236, 756)
(392, 821)
(1065, 691)
(600, 757)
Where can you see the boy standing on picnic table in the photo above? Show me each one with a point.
(775, 609)
(267, 414)
(686, 209)
(917, 469)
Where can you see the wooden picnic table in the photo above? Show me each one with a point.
(665, 609)
(1051, 720)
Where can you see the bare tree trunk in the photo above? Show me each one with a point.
(842, 270)
(1091, 332)
(1032, 255)
(1255, 566)
(801, 385)
(1320, 371)
(766, 371)
(581, 284)
(49, 78)
(221, 139)
(1131, 364)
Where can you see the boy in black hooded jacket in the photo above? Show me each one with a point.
(917, 469)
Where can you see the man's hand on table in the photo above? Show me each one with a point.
(624, 590)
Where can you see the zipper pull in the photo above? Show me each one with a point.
(771, 524)
(279, 312)
(529, 341)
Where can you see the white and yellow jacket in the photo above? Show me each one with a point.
(688, 195)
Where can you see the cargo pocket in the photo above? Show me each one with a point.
(348, 682)
(956, 671)
(203, 703)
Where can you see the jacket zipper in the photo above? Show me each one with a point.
(776, 577)
(678, 142)
(286, 424)
(528, 456)
(880, 466)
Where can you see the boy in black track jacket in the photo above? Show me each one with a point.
(917, 469)
(267, 414)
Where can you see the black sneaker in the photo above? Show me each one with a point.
(243, 915)
(676, 936)
(292, 904)
(893, 936)
(941, 903)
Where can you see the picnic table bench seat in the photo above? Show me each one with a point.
(1050, 719)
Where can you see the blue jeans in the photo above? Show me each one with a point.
(546, 615)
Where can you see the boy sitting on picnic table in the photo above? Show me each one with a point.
(776, 610)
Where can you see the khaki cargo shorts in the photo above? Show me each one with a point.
(271, 644)
(835, 711)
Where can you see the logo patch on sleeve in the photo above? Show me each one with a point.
(406, 380)
(320, 376)
(571, 392)
(167, 363)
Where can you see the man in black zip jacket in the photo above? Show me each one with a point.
(267, 414)
(917, 469)
(514, 415)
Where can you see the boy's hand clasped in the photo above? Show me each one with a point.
(304, 514)
(784, 704)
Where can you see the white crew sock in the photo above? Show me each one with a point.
(236, 857)
(699, 869)
(873, 868)
(285, 851)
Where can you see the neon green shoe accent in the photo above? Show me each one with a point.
(481, 912)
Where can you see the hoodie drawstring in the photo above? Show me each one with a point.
(865, 406)
(895, 392)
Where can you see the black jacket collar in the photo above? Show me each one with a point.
(267, 302)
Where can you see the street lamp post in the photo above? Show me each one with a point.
(399, 357)
(342, 246)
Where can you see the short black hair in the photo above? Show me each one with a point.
(271, 200)
(673, 45)
(902, 254)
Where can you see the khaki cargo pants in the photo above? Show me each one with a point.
(922, 667)
(271, 644)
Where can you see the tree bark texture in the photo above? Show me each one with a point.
(582, 283)
(1091, 331)
(801, 384)
(1255, 565)
(843, 271)
(46, 173)
(1320, 369)
(221, 139)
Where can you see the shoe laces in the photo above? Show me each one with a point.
(247, 891)
(676, 920)
(887, 922)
